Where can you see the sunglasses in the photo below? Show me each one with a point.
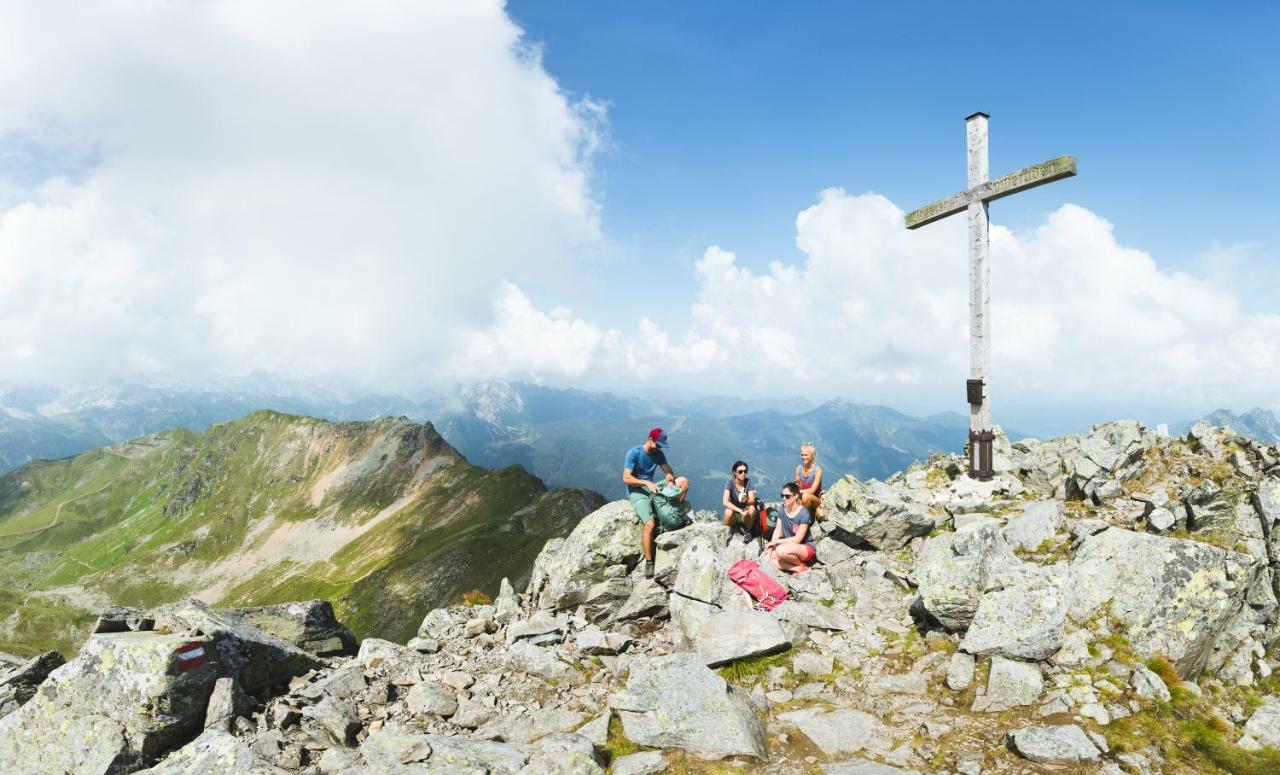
(785, 495)
(741, 471)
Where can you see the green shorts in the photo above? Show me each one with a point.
(664, 511)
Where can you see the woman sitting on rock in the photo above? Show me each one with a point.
(809, 479)
(739, 500)
(791, 548)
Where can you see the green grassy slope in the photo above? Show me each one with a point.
(383, 518)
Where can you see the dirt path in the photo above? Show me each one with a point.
(57, 513)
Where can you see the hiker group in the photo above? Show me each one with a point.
(783, 530)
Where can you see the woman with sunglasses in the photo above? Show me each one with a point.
(791, 548)
(739, 500)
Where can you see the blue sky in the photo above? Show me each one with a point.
(642, 196)
(727, 119)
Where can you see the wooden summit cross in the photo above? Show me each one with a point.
(981, 190)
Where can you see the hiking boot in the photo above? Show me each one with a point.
(648, 569)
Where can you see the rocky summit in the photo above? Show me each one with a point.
(1107, 603)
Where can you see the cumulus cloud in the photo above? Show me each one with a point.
(879, 312)
(321, 189)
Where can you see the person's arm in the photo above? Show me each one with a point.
(632, 481)
(777, 532)
(729, 504)
(671, 476)
(817, 480)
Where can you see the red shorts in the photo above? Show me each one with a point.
(810, 554)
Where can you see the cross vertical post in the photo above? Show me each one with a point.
(974, 199)
(981, 435)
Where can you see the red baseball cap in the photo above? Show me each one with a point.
(658, 437)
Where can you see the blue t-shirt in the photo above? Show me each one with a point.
(790, 524)
(642, 465)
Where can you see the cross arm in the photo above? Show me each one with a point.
(1023, 179)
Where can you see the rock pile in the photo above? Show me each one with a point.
(1098, 590)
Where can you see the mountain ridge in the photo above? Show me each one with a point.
(267, 509)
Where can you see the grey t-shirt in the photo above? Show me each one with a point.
(791, 522)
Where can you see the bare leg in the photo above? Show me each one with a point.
(728, 517)
(646, 540)
(683, 483)
(790, 557)
(810, 502)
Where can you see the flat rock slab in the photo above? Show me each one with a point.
(814, 615)
(733, 635)
(396, 748)
(215, 752)
(645, 763)
(676, 701)
(1010, 684)
(1066, 744)
(839, 732)
(864, 767)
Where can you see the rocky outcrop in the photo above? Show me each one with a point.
(20, 678)
(1036, 611)
(310, 625)
(874, 514)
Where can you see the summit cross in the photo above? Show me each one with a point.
(974, 199)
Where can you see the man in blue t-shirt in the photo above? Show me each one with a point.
(656, 506)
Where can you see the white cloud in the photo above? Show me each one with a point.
(880, 313)
(322, 189)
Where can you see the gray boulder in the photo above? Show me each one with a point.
(124, 701)
(874, 513)
(564, 572)
(839, 732)
(1023, 615)
(676, 701)
(254, 657)
(1169, 596)
(310, 625)
(953, 568)
(643, 763)
(21, 678)
(1038, 522)
(732, 635)
(1263, 727)
(398, 749)
(534, 660)
(1065, 744)
(1010, 684)
(215, 752)
(430, 698)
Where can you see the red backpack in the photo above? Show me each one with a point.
(762, 587)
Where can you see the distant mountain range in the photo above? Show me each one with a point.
(1258, 424)
(575, 438)
(566, 437)
(384, 518)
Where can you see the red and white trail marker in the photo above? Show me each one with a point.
(191, 656)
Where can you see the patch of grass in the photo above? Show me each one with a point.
(1209, 739)
(617, 744)
(476, 597)
(751, 667)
